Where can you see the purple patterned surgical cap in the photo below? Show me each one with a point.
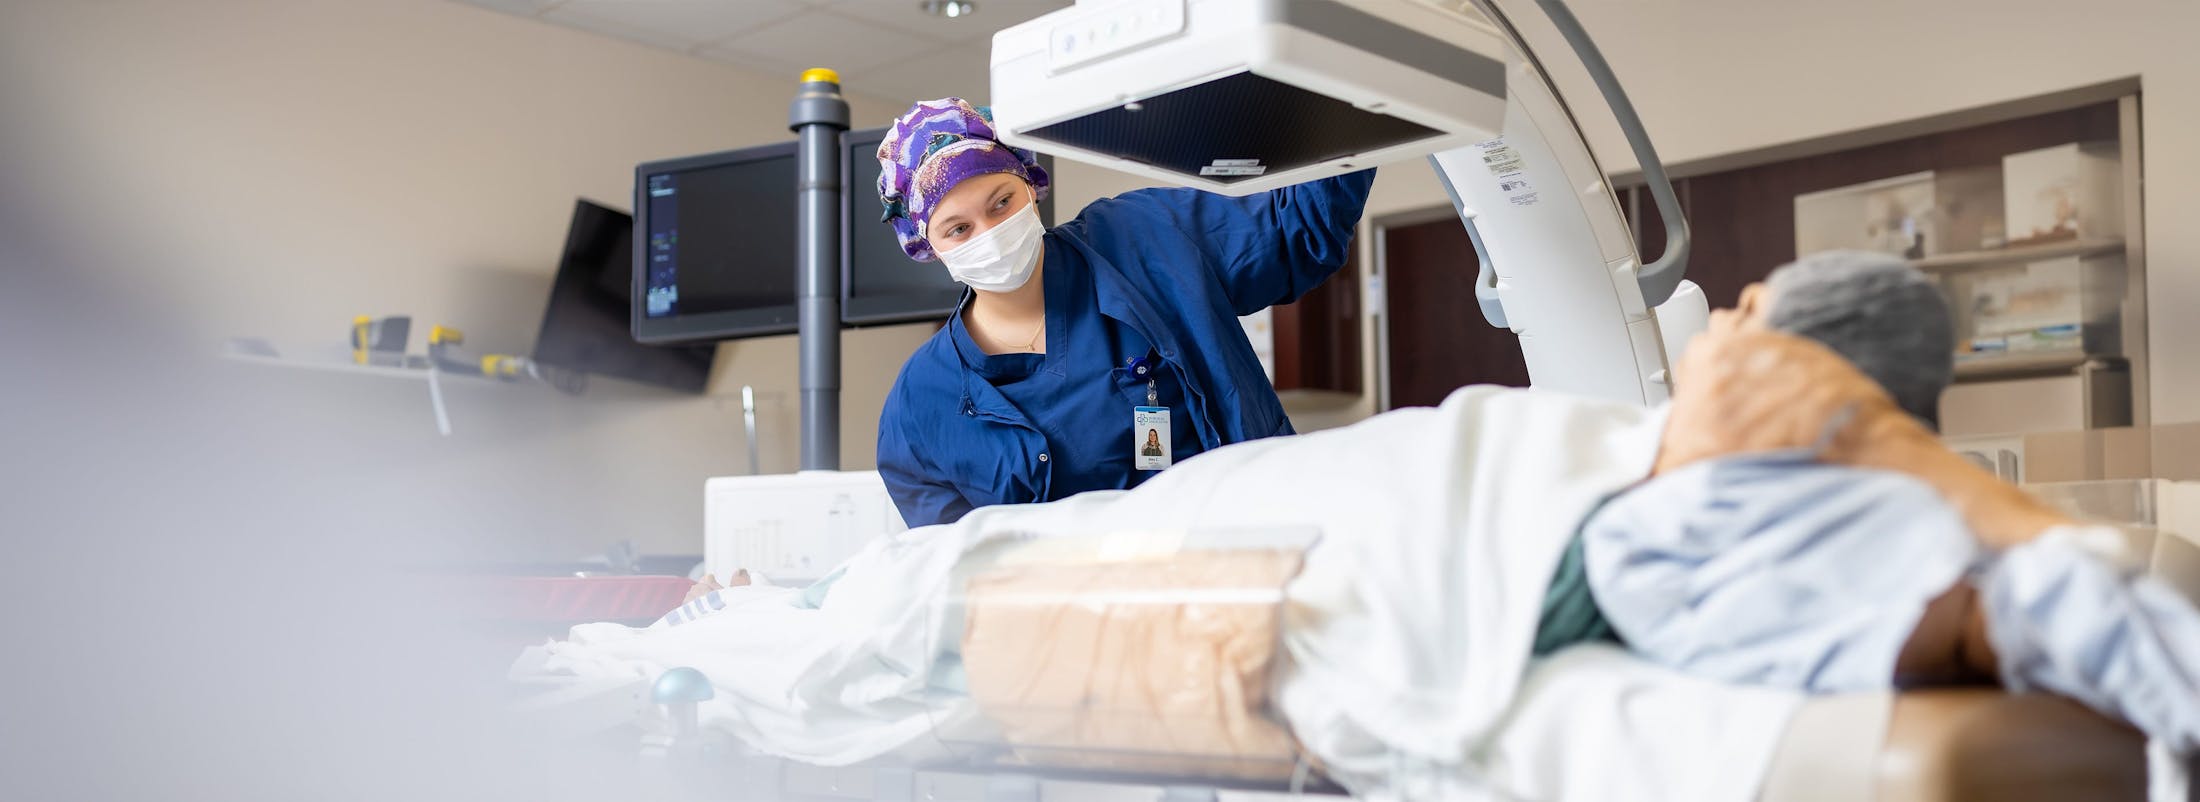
(933, 148)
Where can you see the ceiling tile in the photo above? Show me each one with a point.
(525, 8)
(822, 39)
(956, 71)
(787, 70)
(680, 24)
(622, 31)
(991, 15)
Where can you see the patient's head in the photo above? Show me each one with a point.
(1876, 311)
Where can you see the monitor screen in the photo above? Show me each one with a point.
(717, 237)
(585, 328)
(879, 283)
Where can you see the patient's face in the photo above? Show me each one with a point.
(1755, 307)
(1743, 387)
(1752, 312)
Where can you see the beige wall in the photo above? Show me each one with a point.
(274, 167)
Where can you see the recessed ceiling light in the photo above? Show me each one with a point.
(950, 9)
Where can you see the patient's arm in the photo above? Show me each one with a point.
(1742, 388)
(2001, 514)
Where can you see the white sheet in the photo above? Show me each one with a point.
(1406, 642)
(1594, 722)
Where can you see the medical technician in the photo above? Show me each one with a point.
(1098, 353)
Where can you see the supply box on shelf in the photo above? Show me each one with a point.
(2064, 192)
(2071, 305)
(1916, 215)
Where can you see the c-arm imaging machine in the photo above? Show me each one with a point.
(1241, 96)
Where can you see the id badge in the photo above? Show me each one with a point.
(1150, 438)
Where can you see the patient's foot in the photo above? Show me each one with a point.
(710, 583)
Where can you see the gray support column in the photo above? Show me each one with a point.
(818, 116)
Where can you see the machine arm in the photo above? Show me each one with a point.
(1659, 278)
(1196, 92)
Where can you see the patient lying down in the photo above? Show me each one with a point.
(1789, 522)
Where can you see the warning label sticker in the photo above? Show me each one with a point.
(1510, 170)
(1234, 167)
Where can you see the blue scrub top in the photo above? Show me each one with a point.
(1164, 273)
(1087, 378)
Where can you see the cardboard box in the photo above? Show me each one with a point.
(2064, 192)
(1915, 215)
(2091, 455)
(2176, 450)
(2015, 406)
(2170, 452)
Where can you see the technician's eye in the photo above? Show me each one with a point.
(1001, 204)
(958, 231)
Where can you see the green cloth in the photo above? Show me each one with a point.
(1570, 613)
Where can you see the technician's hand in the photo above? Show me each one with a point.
(1742, 388)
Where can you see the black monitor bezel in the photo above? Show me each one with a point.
(551, 331)
(714, 326)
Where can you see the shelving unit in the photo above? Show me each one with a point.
(1748, 199)
(1968, 260)
(2104, 385)
(415, 367)
(2003, 366)
(2097, 367)
(403, 373)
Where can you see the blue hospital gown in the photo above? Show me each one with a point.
(1777, 570)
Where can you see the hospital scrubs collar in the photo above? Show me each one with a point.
(1085, 382)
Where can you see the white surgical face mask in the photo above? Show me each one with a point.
(1002, 258)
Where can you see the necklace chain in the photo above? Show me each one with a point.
(1033, 343)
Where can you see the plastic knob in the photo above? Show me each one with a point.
(681, 685)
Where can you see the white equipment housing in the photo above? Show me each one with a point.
(792, 528)
(1241, 96)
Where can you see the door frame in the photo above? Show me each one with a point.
(1377, 287)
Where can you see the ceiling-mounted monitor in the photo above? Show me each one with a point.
(714, 255)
